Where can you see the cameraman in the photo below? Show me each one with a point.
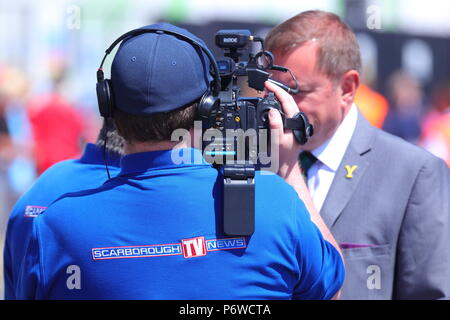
(386, 201)
(66, 176)
(155, 230)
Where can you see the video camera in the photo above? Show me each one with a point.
(237, 155)
(249, 114)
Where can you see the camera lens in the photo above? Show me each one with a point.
(264, 60)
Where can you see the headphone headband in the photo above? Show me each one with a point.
(193, 42)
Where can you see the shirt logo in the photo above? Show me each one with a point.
(188, 248)
(194, 247)
(33, 211)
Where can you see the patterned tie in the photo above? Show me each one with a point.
(307, 159)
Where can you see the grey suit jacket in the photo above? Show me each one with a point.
(391, 216)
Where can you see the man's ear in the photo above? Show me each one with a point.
(349, 84)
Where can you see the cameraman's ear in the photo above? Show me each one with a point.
(349, 85)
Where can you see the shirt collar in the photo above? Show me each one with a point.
(94, 154)
(162, 159)
(331, 152)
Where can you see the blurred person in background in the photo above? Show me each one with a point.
(17, 168)
(21, 168)
(436, 125)
(57, 126)
(87, 172)
(372, 104)
(407, 106)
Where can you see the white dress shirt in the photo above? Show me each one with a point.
(329, 155)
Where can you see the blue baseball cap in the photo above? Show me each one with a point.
(156, 72)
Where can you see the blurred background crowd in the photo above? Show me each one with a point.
(51, 49)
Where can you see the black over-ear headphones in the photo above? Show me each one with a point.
(105, 96)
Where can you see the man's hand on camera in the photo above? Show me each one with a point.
(289, 148)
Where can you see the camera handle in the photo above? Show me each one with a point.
(239, 199)
(299, 124)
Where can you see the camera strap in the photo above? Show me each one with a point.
(239, 200)
(300, 126)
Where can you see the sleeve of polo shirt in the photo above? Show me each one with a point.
(16, 240)
(321, 267)
(30, 275)
(8, 271)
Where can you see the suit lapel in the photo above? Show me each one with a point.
(349, 173)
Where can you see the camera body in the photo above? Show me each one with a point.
(247, 114)
(236, 135)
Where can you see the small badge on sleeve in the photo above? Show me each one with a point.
(33, 211)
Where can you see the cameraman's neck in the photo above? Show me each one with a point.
(138, 147)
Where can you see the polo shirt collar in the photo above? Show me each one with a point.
(94, 154)
(162, 159)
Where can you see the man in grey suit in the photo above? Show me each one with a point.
(387, 202)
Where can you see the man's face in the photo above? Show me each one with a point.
(319, 98)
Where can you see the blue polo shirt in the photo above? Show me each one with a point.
(154, 232)
(66, 176)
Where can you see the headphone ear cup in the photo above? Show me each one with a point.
(208, 102)
(105, 98)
